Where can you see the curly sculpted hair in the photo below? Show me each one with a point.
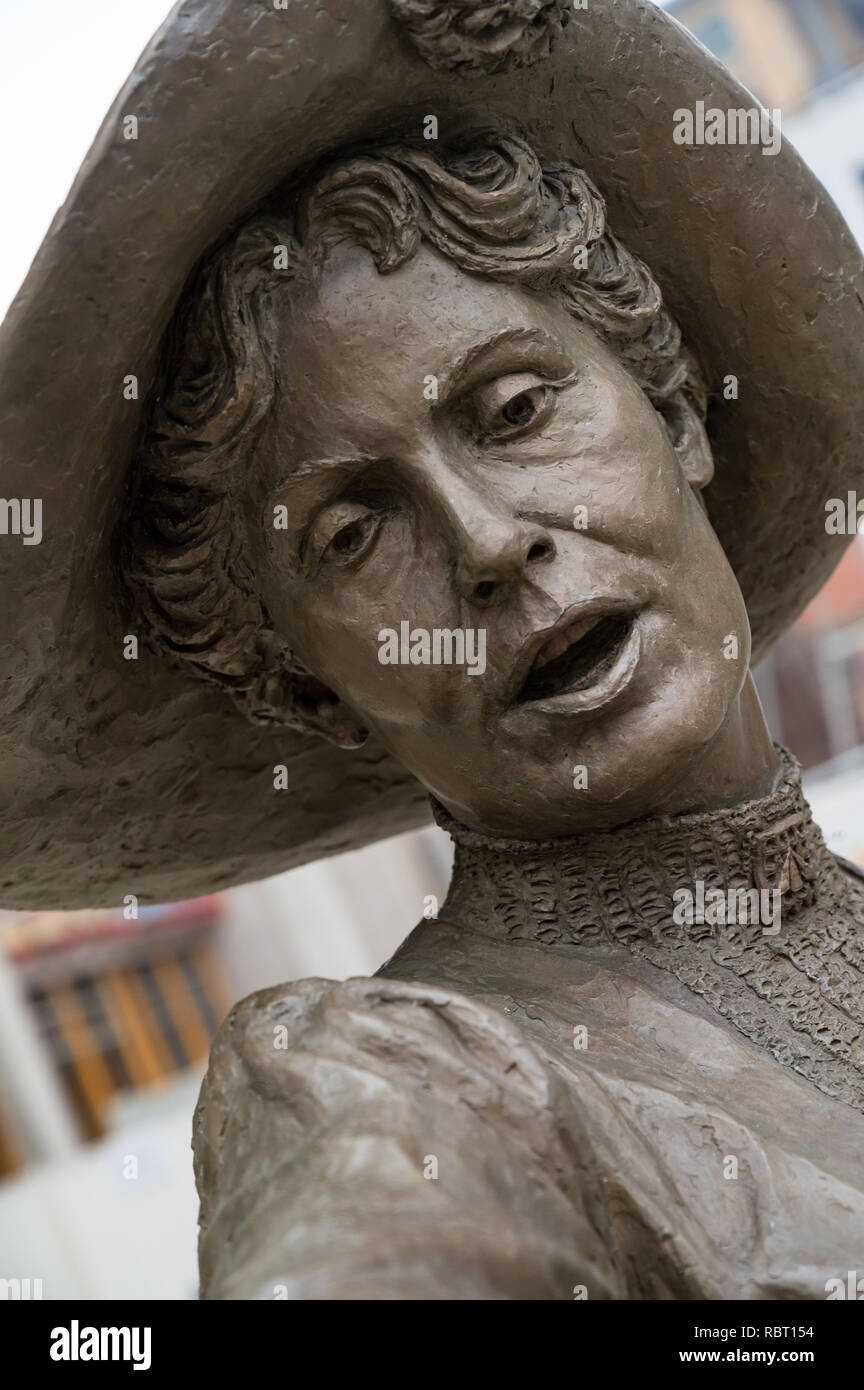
(493, 210)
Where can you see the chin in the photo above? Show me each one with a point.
(635, 760)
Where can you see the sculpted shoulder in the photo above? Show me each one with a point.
(374, 1136)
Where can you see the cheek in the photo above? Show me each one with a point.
(710, 620)
(661, 502)
(626, 472)
(336, 640)
(644, 507)
(338, 636)
(332, 619)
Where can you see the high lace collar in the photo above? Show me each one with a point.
(793, 984)
(620, 884)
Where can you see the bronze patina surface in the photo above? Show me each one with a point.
(154, 785)
(433, 485)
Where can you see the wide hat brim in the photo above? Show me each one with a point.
(130, 777)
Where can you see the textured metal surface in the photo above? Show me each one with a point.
(618, 1107)
(125, 777)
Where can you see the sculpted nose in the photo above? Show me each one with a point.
(495, 549)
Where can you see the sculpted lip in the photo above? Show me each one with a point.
(545, 649)
(580, 663)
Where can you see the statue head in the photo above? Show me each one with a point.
(410, 386)
(427, 459)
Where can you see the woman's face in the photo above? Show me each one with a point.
(457, 454)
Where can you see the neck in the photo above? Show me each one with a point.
(740, 764)
(745, 905)
(614, 885)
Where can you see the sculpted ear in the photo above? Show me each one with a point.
(688, 438)
(284, 692)
(318, 710)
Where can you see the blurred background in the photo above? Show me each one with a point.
(106, 1020)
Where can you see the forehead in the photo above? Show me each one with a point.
(348, 304)
(356, 347)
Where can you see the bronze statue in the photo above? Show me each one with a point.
(441, 482)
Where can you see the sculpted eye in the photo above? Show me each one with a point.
(515, 405)
(344, 532)
(352, 539)
(522, 409)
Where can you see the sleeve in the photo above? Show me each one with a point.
(377, 1140)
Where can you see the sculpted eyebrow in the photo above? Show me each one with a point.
(311, 468)
(508, 337)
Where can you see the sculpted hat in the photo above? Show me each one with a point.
(130, 776)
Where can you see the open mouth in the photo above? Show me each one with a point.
(578, 657)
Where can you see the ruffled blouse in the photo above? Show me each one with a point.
(517, 1108)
